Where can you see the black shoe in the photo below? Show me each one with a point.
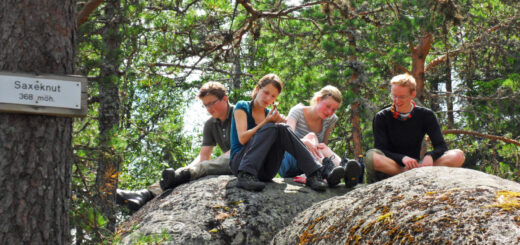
(133, 200)
(170, 179)
(249, 182)
(315, 182)
(352, 172)
(333, 174)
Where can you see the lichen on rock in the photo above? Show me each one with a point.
(433, 205)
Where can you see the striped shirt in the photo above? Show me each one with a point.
(302, 128)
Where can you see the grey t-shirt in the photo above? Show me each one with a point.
(217, 132)
(302, 128)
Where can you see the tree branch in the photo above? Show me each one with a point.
(481, 98)
(455, 52)
(259, 14)
(487, 136)
(419, 54)
(86, 11)
(199, 68)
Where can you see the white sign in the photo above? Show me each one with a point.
(40, 91)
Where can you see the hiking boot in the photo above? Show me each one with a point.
(182, 176)
(249, 182)
(352, 172)
(168, 177)
(315, 181)
(133, 200)
(333, 174)
(171, 178)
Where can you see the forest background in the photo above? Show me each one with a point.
(145, 61)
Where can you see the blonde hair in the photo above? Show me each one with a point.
(404, 80)
(266, 80)
(214, 88)
(325, 92)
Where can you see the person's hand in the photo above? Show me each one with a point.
(410, 163)
(313, 148)
(427, 161)
(282, 119)
(322, 146)
(274, 116)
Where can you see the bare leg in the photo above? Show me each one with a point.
(452, 158)
(386, 165)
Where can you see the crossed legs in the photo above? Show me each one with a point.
(378, 163)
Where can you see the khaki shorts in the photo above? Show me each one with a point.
(372, 175)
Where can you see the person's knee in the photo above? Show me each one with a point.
(377, 159)
(370, 158)
(282, 126)
(268, 127)
(459, 157)
(279, 127)
(311, 136)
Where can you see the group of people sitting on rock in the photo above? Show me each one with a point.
(259, 143)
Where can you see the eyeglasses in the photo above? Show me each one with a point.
(211, 104)
(402, 97)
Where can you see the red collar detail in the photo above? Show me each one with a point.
(395, 113)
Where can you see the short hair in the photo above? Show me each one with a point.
(266, 80)
(404, 80)
(327, 91)
(214, 88)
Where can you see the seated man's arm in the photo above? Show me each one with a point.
(208, 142)
(433, 130)
(205, 153)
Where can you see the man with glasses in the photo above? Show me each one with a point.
(216, 132)
(398, 134)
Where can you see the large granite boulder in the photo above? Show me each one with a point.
(212, 210)
(431, 205)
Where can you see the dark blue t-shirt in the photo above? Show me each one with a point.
(246, 106)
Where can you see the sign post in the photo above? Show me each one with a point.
(43, 94)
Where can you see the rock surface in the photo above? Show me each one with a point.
(212, 210)
(431, 205)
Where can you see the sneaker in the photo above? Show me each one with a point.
(352, 172)
(315, 182)
(333, 174)
(249, 182)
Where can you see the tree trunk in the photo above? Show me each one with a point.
(419, 54)
(449, 89)
(237, 70)
(36, 151)
(356, 120)
(449, 102)
(109, 160)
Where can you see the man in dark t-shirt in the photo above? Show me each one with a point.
(216, 132)
(398, 134)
